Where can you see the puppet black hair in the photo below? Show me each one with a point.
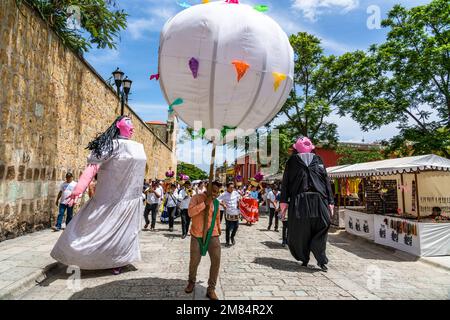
(104, 142)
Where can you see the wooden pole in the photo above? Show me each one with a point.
(403, 193)
(417, 197)
(209, 190)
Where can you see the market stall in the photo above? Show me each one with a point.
(403, 203)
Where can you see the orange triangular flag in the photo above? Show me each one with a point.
(205, 1)
(241, 68)
(278, 78)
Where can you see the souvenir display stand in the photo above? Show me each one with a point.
(406, 203)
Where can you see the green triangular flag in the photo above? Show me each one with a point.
(176, 102)
(261, 8)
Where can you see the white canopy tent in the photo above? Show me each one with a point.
(428, 162)
(423, 182)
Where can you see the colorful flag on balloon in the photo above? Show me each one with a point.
(193, 65)
(241, 68)
(184, 4)
(177, 101)
(278, 78)
(261, 8)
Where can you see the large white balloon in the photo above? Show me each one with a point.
(201, 49)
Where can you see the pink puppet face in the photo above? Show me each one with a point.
(126, 128)
(304, 145)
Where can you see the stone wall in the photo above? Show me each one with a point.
(52, 103)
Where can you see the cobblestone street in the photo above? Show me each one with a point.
(257, 267)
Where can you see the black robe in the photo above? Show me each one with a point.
(307, 189)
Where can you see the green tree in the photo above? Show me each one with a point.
(351, 155)
(406, 79)
(101, 21)
(320, 84)
(192, 171)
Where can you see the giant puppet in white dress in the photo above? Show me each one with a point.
(104, 233)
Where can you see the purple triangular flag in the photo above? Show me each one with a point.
(193, 65)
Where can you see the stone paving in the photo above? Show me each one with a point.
(257, 267)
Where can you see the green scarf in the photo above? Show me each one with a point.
(204, 246)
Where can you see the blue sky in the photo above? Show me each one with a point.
(340, 24)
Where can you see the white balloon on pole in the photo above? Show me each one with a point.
(200, 50)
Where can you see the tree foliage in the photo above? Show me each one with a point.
(320, 84)
(351, 155)
(192, 171)
(101, 21)
(406, 79)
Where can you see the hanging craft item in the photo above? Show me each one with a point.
(193, 65)
(200, 134)
(232, 1)
(241, 68)
(205, 1)
(154, 76)
(177, 101)
(261, 8)
(278, 78)
(184, 4)
(225, 130)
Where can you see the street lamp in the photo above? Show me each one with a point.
(122, 94)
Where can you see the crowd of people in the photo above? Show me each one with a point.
(105, 232)
(171, 199)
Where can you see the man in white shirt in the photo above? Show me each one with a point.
(154, 195)
(184, 196)
(230, 201)
(268, 189)
(65, 190)
(172, 204)
(273, 205)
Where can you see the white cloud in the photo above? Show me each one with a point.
(312, 8)
(153, 20)
(290, 25)
(102, 56)
(350, 131)
(336, 47)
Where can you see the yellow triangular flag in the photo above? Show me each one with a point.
(277, 77)
(205, 1)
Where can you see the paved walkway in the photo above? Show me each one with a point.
(257, 267)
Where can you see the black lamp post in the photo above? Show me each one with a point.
(122, 83)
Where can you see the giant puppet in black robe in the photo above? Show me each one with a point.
(307, 189)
